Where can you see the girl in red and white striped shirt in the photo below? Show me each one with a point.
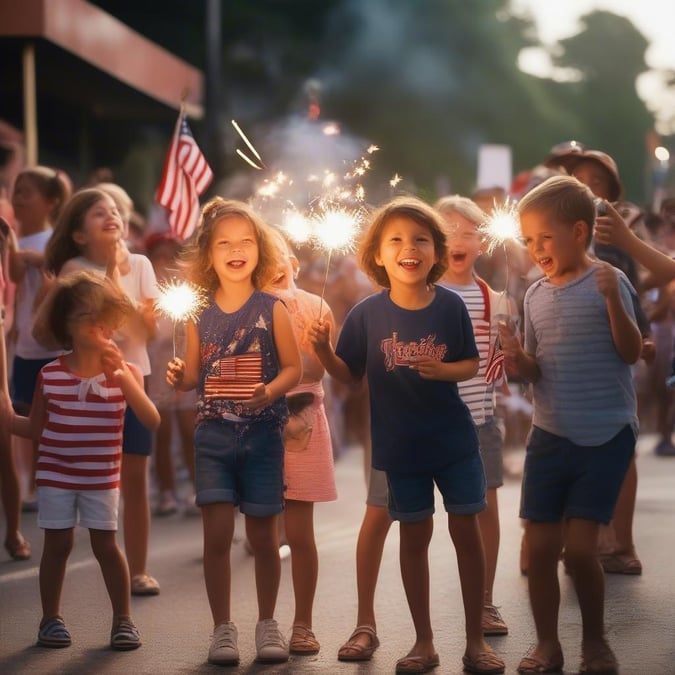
(77, 417)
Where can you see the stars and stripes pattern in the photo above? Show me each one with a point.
(186, 175)
(236, 377)
(494, 368)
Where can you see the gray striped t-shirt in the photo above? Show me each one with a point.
(585, 392)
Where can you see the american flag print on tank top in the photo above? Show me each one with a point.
(81, 443)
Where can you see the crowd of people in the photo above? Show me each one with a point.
(413, 354)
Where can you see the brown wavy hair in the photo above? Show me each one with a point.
(52, 185)
(196, 256)
(422, 214)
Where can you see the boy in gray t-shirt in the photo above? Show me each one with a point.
(580, 339)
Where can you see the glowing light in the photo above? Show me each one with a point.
(501, 226)
(248, 143)
(396, 179)
(296, 226)
(661, 153)
(372, 148)
(331, 129)
(336, 228)
(248, 160)
(180, 300)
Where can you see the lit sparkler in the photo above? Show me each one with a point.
(501, 226)
(335, 228)
(395, 180)
(179, 301)
(250, 147)
(296, 226)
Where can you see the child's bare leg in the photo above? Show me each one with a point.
(9, 490)
(544, 546)
(299, 520)
(588, 578)
(488, 522)
(218, 520)
(466, 537)
(136, 517)
(114, 569)
(414, 558)
(163, 461)
(57, 547)
(263, 535)
(624, 511)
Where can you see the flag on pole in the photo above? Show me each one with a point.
(494, 368)
(186, 175)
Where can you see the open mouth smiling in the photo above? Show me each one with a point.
(409, 263)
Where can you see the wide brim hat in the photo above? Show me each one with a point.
(568, 158)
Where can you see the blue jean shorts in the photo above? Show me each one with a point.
(136, 438)
(461, 483)
(565, 480)
(24, 379)
(242, 464)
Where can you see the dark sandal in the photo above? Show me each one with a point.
(18, 550)
(303, 641)
(53, 633)
(621, 563)
(353, 651)
(486, 662)
(417, 664)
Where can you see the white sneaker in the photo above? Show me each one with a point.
(223, 650)
(270, 644)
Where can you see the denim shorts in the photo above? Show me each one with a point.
(242, 464)
(461, 483)
(62, 509)
(24, 378)
(565, 480)
(491, 442)
(136, 438)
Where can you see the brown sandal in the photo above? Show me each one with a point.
(303, 641)
(18, 550)
(535, 664)
(486, 662)
(354, 651)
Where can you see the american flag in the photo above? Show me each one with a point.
(186, 175)
(494, 369)
(235, 377)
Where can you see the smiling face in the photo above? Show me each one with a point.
(101, 228)
(559, 249)
(464, 246)
(234, 250)
(31, 207)
(406, 252)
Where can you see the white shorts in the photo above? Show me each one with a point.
(61, 509)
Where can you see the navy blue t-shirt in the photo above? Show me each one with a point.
(417, 425)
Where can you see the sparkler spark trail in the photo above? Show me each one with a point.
(395, 180)
(179, 301)
(248, 160)
(501, 226)
(296, 226)
(245, 139)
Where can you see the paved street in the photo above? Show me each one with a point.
(175, 626)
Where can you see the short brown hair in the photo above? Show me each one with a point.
(565, 198)
(86, 293)
(422, 214)
(196, 256)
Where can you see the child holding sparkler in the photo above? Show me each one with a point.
(89, 235)
(308, 460)
(78, 471)
(242, 357)
(414, 342)
(580, 339)
(486, 307)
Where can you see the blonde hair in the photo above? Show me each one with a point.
(196, 257)
(464, 206)
(120, 196)
(422, 214)
(565, 198)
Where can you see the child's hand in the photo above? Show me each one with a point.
(511, 347)
(175, 372)
(319, 334)
(259, 399)
(648, 353)
(113, 362)
(612, 228)
(606, 279)
(428, 368)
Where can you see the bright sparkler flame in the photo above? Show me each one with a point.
(372, 148)
(502, 225)
(395, 180)
(297, 227)
(336, 228)
(180, 300)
